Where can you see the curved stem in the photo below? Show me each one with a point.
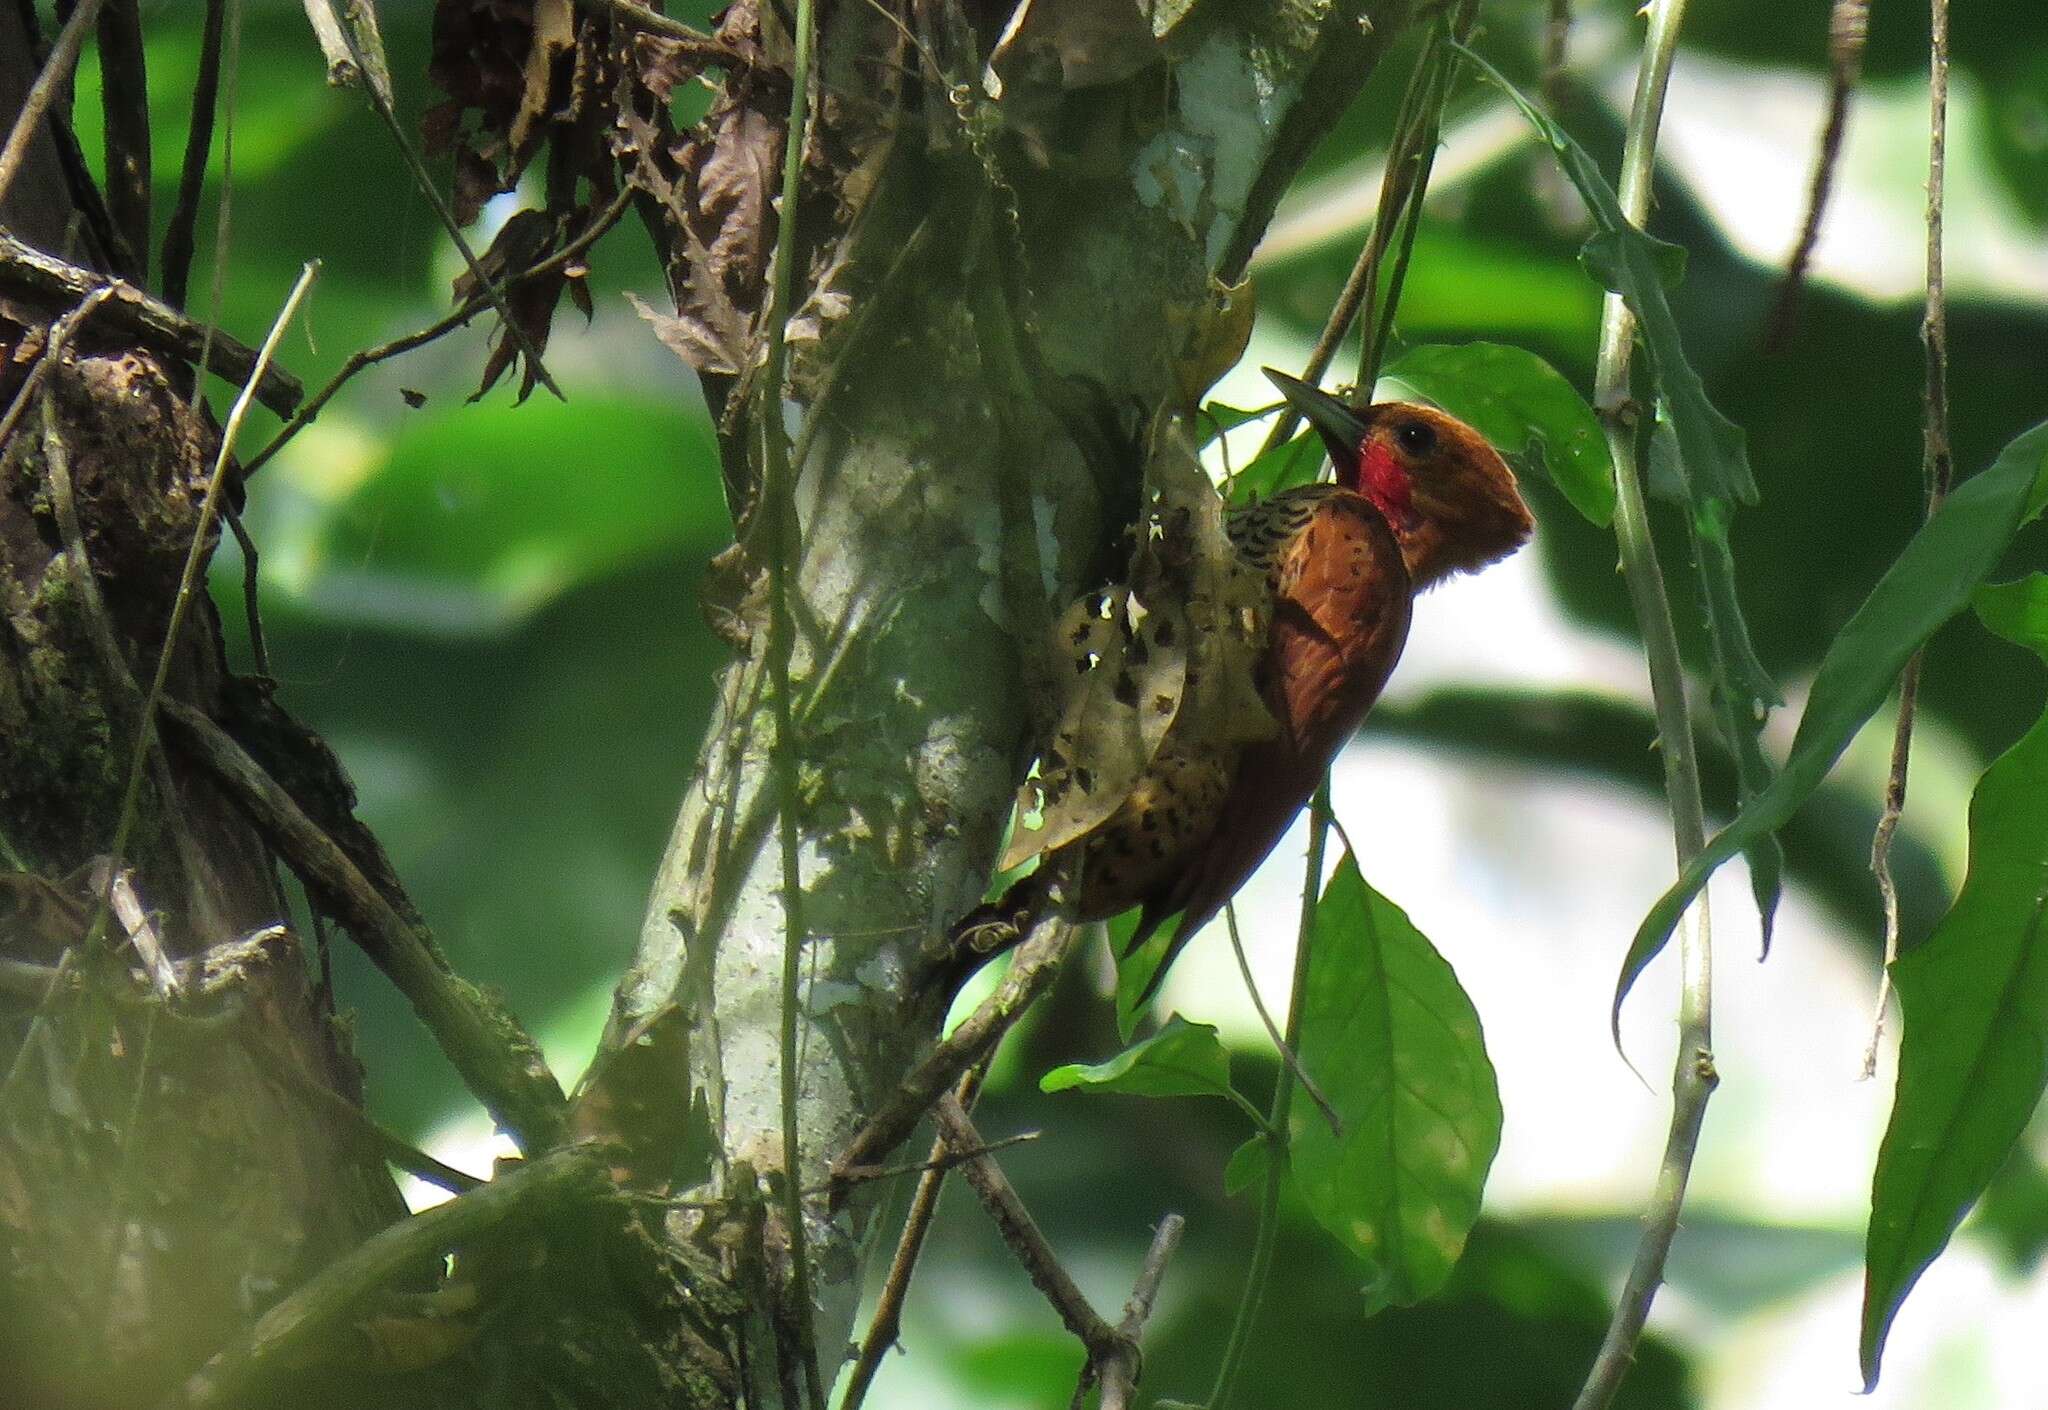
(1276, 1122)
(1693, 1078)
(778, 499)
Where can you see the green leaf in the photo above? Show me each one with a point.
(1181, 1060)
(1247, 1165)
(1518, 401)
(1973, 1061)
(1925, 586)
(1281, 468)
(1395, 1045)
(1710, 459)
(1134, 970)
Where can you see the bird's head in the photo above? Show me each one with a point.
(1448, 496)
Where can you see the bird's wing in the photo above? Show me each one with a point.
(1340, 619)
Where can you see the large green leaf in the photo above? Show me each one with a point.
(1925, 586)
(1395, 1045)
(1973, 1061)
(1518, 401)
(1710, 465)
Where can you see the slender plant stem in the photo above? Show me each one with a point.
(1693, 1076)
(57, 68)
(1937, 467)
(184, 222)
(1287, 1054)
(188, 584)
(1319, 815)
(778, 496)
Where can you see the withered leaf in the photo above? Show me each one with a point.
(1174, 648)
(554, 33)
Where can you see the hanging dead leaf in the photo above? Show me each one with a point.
(1175, 648)
(554, 34)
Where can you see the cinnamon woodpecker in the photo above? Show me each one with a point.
(1418, 496)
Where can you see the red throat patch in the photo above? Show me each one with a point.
(1384, 481)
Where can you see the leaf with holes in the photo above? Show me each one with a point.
(1394, 1043)
(1177, 641)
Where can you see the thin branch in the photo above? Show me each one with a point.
(56, 69)
(124, 99)
(1020, 1231)
(160, 326)
(1361, 284)
(887, 1323)
(638, 17)
(441, 327)
(1937, 468)
(931, 1165)
(496, 1061)
(188, 581)
(180, 235)
(370, 66)
(1319, 819)
(1848, 30)
(291, 1335)
(1287, 1054)
(1034, 966)
(1118, 1373)
(1693, 1077)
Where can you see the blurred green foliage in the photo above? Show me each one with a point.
(491, 611)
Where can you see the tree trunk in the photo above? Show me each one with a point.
(171, 1158)
(996, 298)
(1028, 288)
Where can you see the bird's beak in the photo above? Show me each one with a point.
(1342, 429)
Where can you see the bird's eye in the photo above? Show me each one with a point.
(1416, 438)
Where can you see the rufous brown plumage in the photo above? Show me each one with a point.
(1418, 496)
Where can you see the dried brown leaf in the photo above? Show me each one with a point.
(1176, 647)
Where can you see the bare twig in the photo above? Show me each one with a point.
(1937, 468)
(162, 327)
(778, 498)
(1693, 1076)
(1032, 969)
(441, 327)
(638, 17)
(1848, 29)
(290, 1335)
(498, 1063)
(181, 234)
(1361, 284)
(56, 69)
(1268, 1229)
(1280, 1044)
(1118, 1373)
(188, 581)
(370, 67)
(887, 1324)
(124, 98)
(1020, 1231)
